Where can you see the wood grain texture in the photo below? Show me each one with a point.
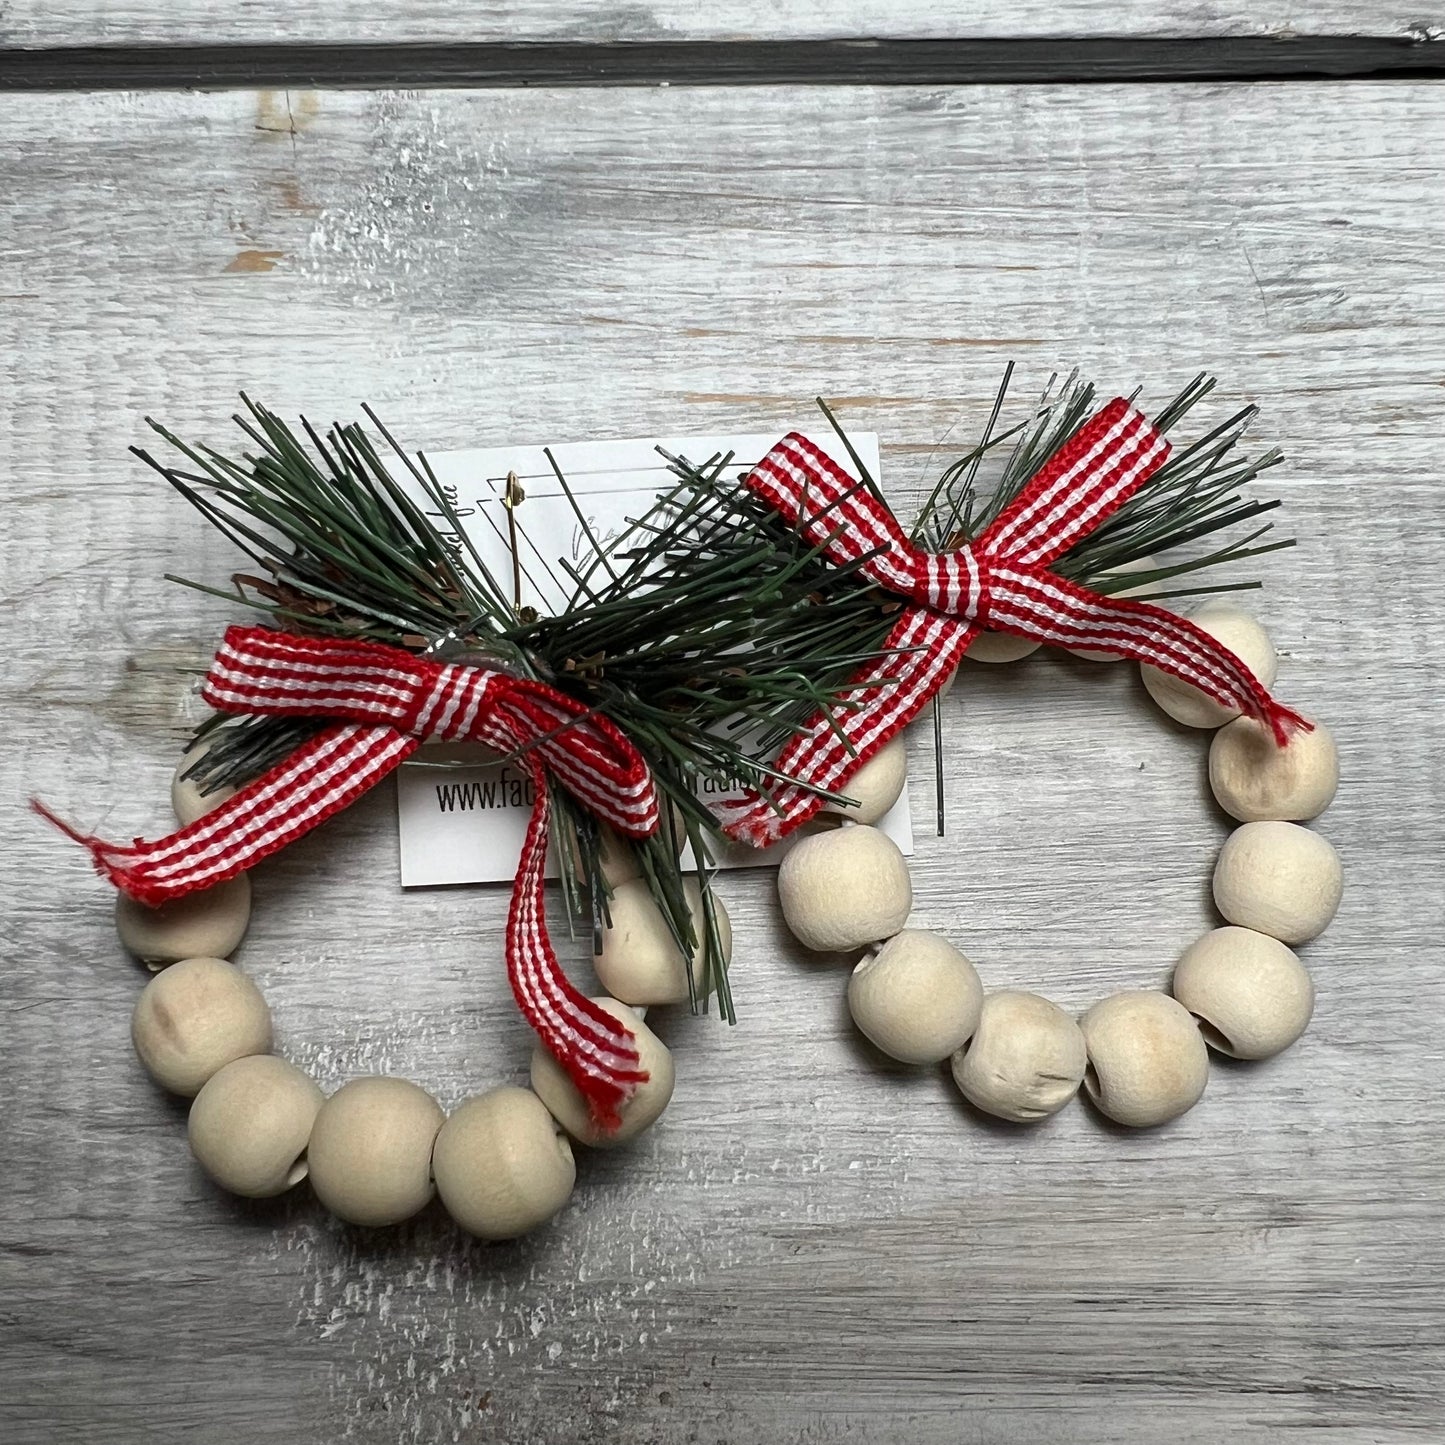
(190, 22)
(812, 1246)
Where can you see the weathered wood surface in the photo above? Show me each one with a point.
(190, 22)
(811, 1246)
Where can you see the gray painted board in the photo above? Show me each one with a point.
(811, 1246)
(190, 22)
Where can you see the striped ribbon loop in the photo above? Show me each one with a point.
(1000, 581)
(385, 703)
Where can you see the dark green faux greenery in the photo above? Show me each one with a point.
(1195, 494)
(709, 631)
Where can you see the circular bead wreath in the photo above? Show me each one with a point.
(378, 1149)
(1141, 1056)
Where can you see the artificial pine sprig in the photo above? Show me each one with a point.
(707, 631)
(1193, 495)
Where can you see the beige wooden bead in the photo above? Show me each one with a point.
(1025, 1061)
(572, 1111)
(917, 997)
(845, 888)
(502, 1166)
(1143, 564)
(1279, 879)
(1256, 780)
(640, 961)
(370, 1151)
(1147, 1060)
(1000, 647)
(195, 1017)
(250, 1125)
(1250, 993)
(876, 786)
(187, 800)
(209, 924)
(1244, 637)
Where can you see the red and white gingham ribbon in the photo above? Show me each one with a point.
(387, 702)
(999, 581)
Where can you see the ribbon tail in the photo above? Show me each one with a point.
(922, 651)
(598, 1052)
(320, 778)
(1078, 488)
(1043, 606)
(833, 511)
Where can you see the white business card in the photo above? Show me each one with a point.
(461, 820)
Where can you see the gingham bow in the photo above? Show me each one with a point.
(999, 581)
(388, 701)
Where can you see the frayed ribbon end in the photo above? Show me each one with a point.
(106, 857)
(605, 1102)
(1285, 722)
(56, 821)
(752, 823)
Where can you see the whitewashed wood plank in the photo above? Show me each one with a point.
(812, 1245)
(193, 22)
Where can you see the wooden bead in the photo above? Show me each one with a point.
(1256, 780)
(195, 1017)
(1000, 647)
(1025, 1061)
(1279, 879)
(876, 786)
(250, 1125)
(640, 961)
(917, 998)
(187, 800)
(572, 1111)
(845, 888)
(1244, 637)
(208, 924)
(370, 1151)
(1143, 564)
(1250, 994)
(502, 1166)
(1147, 1060)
